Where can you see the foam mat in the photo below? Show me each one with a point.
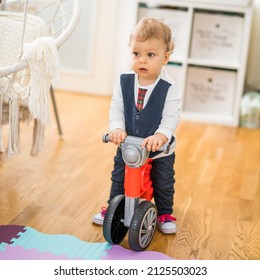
(25, 243)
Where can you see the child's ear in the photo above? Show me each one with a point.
(166, 58)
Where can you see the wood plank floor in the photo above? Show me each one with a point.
(217, 201)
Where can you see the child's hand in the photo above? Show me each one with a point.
(154, 142)
(117, 136)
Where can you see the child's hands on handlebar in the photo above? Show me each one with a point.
(117, 136)
(154, 142)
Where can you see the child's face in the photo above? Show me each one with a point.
(148, 58)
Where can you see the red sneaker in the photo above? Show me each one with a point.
(166, 224)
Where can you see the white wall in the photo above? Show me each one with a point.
(91, 49)
(76, 53)
(253, 69)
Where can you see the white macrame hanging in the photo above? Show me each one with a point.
(29, 63)
(43, 60)
(30, 87)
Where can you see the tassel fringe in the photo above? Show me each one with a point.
(38, 138)
(2, 148)
(13, 140)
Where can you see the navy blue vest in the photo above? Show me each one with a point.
(146, 122)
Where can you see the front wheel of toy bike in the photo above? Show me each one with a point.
(143, 226)
(114, 230)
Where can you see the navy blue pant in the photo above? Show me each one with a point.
(162, 175)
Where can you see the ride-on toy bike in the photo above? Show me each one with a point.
(133, 212)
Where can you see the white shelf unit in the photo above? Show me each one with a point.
(210, 57)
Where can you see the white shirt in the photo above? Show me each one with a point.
(171, 111)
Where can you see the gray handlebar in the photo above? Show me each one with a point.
(137, 141)
(106, 138)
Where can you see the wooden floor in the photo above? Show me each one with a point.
(217, 201)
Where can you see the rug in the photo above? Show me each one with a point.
(25, 243)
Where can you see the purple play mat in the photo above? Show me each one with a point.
(26, 243)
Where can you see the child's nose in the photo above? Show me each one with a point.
(142, 59)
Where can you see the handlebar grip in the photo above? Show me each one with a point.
(166, 148)
(105, 138)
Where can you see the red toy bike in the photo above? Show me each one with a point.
(133, 212)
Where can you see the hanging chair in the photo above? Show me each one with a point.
(31, 32)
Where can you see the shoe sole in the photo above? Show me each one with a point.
(97, 222)
(168, 232)
(165, 231)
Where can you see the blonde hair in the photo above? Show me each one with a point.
(148, 28)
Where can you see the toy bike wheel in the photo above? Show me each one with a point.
(142, 226)
(114, 230)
